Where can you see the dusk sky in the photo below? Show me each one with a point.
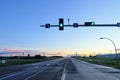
(20, 22)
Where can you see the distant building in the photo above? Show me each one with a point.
(107, 55)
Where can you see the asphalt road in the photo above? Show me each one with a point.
(59, 69)
(88, 71)
(48, 70)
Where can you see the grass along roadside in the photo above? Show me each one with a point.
(11, 62)
(102, 61)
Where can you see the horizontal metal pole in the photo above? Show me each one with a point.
(82, 25)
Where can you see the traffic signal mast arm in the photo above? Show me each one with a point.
(76, 25)
(82, 25)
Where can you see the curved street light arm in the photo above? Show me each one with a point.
(114, 47)
(112, 42)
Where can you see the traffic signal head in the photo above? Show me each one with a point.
(61, 24)
(75, 25)
(89, 23)
(47, 25)
(118, 24)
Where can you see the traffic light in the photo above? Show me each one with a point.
(89, 23)
(61, 24)
(118, 24)
(75, 25)
(47, 25)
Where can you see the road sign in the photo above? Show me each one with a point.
(75, 25)
(47, 25)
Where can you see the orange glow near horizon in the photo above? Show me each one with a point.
(58, 53)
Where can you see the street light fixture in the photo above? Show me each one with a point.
(114, 47)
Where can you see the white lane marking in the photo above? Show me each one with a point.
(34, 74)
(48, 64)
(114, 78)
(63, 74)
(11, 75)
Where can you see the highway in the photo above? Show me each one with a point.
(48, 70)
(88, 71)
(59, 69)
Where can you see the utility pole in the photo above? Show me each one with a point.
(94, 54)
(43, 53)
(76, 54)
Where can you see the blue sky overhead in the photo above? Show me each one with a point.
(20, 22)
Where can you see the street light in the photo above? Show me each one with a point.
(114, 47)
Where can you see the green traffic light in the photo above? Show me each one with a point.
(61, 25)
(89, 23)
(93, 23)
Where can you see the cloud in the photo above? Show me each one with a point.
(10, 50)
